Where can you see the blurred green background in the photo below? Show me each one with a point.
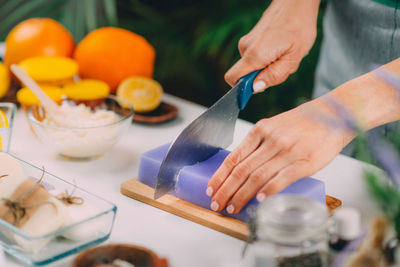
(195, 42)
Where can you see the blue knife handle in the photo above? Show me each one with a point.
(246, 88)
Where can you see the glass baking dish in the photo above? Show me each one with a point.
(88, 231)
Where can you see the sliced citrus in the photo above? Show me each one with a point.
(143, 93)
(4, 80)
(3, 120)
(27, 98)
(50, 69)
(87, 90)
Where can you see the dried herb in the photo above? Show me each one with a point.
(70, 199)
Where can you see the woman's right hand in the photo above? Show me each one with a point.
(279, 41)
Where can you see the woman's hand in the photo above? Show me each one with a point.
(279, 41)
(276, 152)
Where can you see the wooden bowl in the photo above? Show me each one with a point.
(163, 113)
(106, 254)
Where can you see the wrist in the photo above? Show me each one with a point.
(370, 100)
(325, 113)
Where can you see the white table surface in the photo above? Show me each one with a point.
(182, 242)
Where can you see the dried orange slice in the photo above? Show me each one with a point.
(143, 93)
(50, 69)
(3, 120)
(4, 80)
(87, 89)
(27, 98)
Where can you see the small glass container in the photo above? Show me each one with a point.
(92, 229)
(290, 231)
(5, 132)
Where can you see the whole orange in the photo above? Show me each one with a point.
(112, 54)
(38, 37)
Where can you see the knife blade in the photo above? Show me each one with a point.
(205, 136)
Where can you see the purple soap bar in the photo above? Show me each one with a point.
(192, 181)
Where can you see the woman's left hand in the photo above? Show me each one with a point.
(276, 152)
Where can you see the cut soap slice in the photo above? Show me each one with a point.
(193, 180)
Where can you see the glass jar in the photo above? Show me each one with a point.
(290, 231)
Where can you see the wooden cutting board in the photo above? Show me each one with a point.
(208, 218)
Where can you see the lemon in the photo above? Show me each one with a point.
(27, 98)
(52, 70)
(3, 120)
(87, 89)
(4, 80)
(143, 93)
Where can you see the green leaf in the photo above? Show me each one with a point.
(6, 7)
(110, 8)
(90, 14)
(388, 198)
(23, 11)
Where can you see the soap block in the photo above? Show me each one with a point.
(150, 163)
(193, 180)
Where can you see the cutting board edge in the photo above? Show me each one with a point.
(184, 209)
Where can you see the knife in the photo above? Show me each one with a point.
(205, 136)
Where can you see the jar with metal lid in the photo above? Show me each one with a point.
(290, 231)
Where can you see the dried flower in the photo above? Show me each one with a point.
(69, 199)
(385, 154)
(344, 255)
(345, 119)
(390, 78)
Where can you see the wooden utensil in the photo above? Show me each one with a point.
(45, 100)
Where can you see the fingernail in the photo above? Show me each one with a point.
(259, 86)
(214, 206)
(230, 209)
(209, 191)
(261, 197)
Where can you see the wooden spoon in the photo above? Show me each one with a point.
(49, 105)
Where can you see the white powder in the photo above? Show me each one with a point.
(81, 116)
(81, 141)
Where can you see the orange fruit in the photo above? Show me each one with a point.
(143, 93)
(112, 54)
(38, 37)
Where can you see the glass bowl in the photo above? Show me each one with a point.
(91, 229)
(83, 142)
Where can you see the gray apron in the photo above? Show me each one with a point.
(357, 35)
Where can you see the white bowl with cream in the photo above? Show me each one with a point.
(84, 130)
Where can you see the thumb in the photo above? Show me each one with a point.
(240, 69)
(274, 74)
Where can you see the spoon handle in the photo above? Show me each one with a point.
(46, 101)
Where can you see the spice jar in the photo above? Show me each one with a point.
(290, 231)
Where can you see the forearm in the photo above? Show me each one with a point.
(372, 101)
